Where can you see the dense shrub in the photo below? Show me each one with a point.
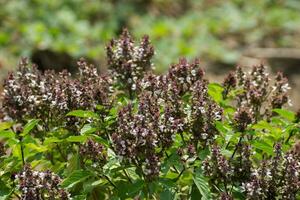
(131, 134)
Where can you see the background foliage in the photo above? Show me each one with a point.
(216, 30)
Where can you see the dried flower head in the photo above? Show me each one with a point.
(257, 93)
(229, 83)
(185, 74)
(94, 151)
(40, 185)
(277, 177)
(30, 94)
(280, 91)
(128, 62)
(242, 118)
(216, 165)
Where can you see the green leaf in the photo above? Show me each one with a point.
(203, 153)
(83, 114)
(167, 182)
(100, 107)
(202, 185)
(101, 140)
(73, 164)
(195, 194)
(5, 125)
(98, 182)
(51, 140)
(76, 177)
(289, 115)
(166, 195)
(87, 129)
(223, 128)
(263, 125)
(264, 146)
(4, 191)
(215, 91)
(29, 126)
(77, 138)
(7, 134)
(130, 190)
(79, 197)
(33, 146)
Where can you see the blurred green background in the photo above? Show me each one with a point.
(216, 31)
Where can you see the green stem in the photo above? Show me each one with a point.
(175, 169)
(61, 153)
(127, 176)
(177, 178)
(290, 135)
(107, 178)
(181, 135)
(22, 152)
(236, 147)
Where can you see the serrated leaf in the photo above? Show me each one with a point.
(83, 114)
(76, 177)
(202, 186)
(29, 126)
(289, 115)
(77, 138)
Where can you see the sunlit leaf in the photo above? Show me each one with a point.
(87, 129)
(289, 115)
(215, 91)
(52, 140)
(83, 114)
(5, 125)
(77, 138)
(29, 126)
(7, 134)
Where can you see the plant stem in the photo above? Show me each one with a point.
(16, 195)
(107, 178)
(181, 135)
(236, 147)
(177, 178)
(175, 169)
(22, 152)
(126, 174)
(290, 135)
(61, 153)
